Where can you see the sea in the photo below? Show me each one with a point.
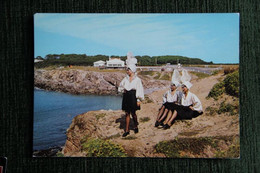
(54, 111)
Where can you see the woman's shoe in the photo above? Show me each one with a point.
(156, 124)
(166, 126)
(125, 134)
(136, 130)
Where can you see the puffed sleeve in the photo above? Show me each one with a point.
(165, 97)
(139, 90)
(179, 97)
(196, 103)
(121, 86)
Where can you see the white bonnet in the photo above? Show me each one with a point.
(176, 83)
(187, 84)
(132, 67)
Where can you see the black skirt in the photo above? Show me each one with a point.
(129, 103)
(183, 112)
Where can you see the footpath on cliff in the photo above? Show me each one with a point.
(207, 136)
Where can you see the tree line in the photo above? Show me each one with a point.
(86, 60)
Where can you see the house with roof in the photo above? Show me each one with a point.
(99, 63)
(115, 63)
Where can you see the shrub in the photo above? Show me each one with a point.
(232, 84)
(211, 111)
(59, 154)
(217, 90)
(231, 109)
(144, 119)
(228, 70)
(172, 148)
(102, 148)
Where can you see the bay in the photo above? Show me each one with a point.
(54, 111)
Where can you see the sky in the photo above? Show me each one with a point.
(208, 36)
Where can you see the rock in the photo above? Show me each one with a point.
(87, 82)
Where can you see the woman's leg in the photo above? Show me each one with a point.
(135, 122)
(164, 115)
(160, 113)
(168, 117)
(127, 121)
(174, 115)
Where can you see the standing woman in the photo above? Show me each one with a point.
(133, 93)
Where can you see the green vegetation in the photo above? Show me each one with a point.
(85, 60)
(144, 119)
(211, 111)
(228, 108)
(150, 73)
(172, 148)
(184, 147)
(232, 84)
(147, 99)
(98, 116)
(130, 138)
(102, 148)
(165, 77)
(229, 85)
(157, 75)
(217, 90)
(59, 154)
(200, 75)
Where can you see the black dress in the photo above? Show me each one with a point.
(183, 112)
(129, 103)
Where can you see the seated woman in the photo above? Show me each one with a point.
(190, 107)
(170, 97)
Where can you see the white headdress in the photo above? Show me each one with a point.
(176, 78)
(131, 61)
(185, 79)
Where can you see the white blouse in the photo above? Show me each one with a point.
(169, 97)
(135, 84)
(191, 99)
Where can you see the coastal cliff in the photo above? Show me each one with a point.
(77, 81)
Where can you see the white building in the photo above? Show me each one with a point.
(99, 63)
(115, 63)
(37, 60)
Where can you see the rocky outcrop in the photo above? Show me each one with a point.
(220, 132)
(87, 82)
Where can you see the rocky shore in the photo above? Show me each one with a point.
(88, 82)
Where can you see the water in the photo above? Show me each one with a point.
(54, 111)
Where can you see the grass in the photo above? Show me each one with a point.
(185, 147)
(144, 119)
(157, 76)
(130, 138)
(147, 99)
(102, 148)
(230, 86)
(59, 154)
(165, 77)
(228, 108)
(200, 75)
(150, 73)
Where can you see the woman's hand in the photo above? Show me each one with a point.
(138, 103)
(191, 108)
